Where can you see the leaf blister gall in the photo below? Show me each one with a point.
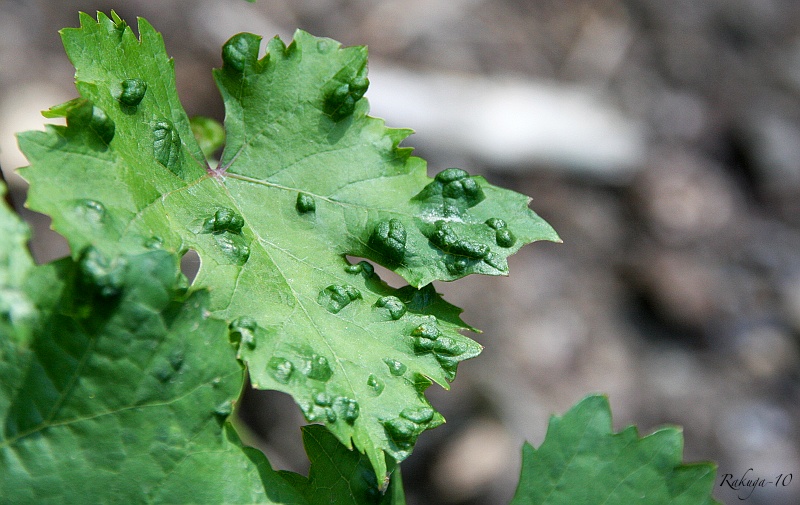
(445, 238)
(362, 267)
(396, 367)
(224, 220)
(317, 368)
(347, 408)
(505, 238)
(166, 144)
(393, 305)
(107, 276)
(133, 91)
(419, 415)
(338, 296)
(305, 203)
(389, 239)
(240, 50)
(233, 248)
(375, 384)
(340, 102)
(91, 211)
(281, 369)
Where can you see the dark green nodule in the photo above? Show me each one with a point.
(347, 408)
(341, 101)
(427, 331)
(323, 399)
(107, 276)
(401, 431)
(389, 238)
(495, 223)
(338, 296)
(419, 415)
(396, 368)
(449, 347)
(393, 305)
(318, 368)
(240, 50)
(361, 267)
(505, 238)
(451, 174)
(223, 220)
(305, 203)
(446, 239)
(375, 384)
(133, 91)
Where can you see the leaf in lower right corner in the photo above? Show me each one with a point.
(582, 462)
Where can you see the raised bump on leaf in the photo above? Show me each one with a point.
(505, 238)
(133, 91)
(375, 384)
(240, 51)
(449, 347)
(402, 431)
(347, 408)
(106, 275)
(318, 368)
(361, 267)
(223, 220)
(338, 296)
(92, 211)
(427, 331)
(281, 369)
(305, 203)
(418, 415)
(233, 248)
(166, 143)
(323, 399)
(396, 368)
(495, 223)
(389, 238)
(445, 238)
(394, 306)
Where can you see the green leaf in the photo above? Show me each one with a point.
(121, 397)
(306, 178)
(121, 394)
(582, 462)
(15, 263)
(338, 472)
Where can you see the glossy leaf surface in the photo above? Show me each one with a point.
(306, 178)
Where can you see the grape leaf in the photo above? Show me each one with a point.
(306, 178)
(581, 461)
(120, 395)
(15, 262)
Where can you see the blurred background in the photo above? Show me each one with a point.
(661, 140)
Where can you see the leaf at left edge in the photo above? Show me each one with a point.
(136, 383)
